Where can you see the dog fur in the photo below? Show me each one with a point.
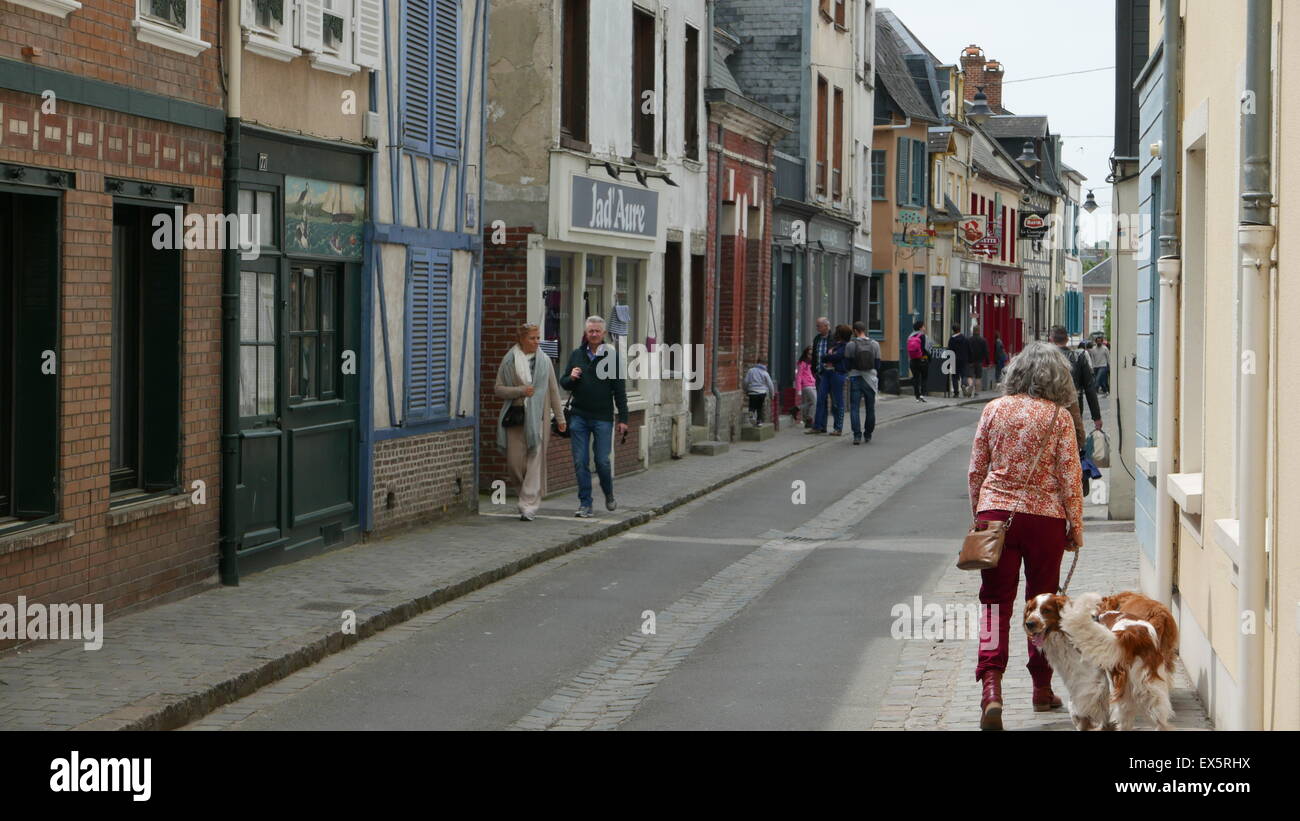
(1086, 682)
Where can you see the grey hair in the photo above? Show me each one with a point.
(1040, 370)
(596, 319)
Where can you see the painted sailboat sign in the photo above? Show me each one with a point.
(324, 218)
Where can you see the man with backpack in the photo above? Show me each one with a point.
(863, 354)
(1081, 371)
(918, 355)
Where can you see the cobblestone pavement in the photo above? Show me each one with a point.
(171, 664)
(934, 686)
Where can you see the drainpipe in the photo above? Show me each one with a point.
(1170, 268)
(717, 241)
(229, 564)
(1255, 238)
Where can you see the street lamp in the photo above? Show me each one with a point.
(1090, 204)
(1028, 158)
(979, 110)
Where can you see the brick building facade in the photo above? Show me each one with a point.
(110, 461)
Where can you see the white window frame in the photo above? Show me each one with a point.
(269, 42)
(59, 8)
(185, 41)
(336, 61)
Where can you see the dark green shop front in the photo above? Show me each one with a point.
(298, 329)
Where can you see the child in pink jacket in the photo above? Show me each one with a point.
(805, 387)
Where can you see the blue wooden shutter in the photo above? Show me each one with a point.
(428, 329)
(446, 78)
(417, 77)
(904, 166)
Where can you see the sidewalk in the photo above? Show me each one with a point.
(167, 666)
(934, 686)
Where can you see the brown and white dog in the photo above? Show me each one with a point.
(1114, 665)
(1133, 638)
(1088, 686)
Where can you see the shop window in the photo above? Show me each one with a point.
(145, 395)
(428, 330)
(559, 335)
(257, 333)
(573, 74)
(313, 332)
(29, 351)
(171, 24)
(431, 77)
(260, 207)
(644, 101)
(875, 305)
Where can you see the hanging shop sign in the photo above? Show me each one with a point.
(973, 228)
(1033, 225)
(598, 205)
(324, 218)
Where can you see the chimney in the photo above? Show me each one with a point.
(972, 65)
(993, 85)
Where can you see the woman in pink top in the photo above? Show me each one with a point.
(1030, 421)
(805, 386)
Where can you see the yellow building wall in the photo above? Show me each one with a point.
(295, 97)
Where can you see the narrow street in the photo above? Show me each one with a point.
(769, 614)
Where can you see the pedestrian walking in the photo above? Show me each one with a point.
(820, 344)
(526, 381)
(758, 387)
(805, 385)
(918, 357)
(1081, 374)
(960, 358)
(594, 375)
(999, 354)
(979, 354)
(1099, 359)
(1024, 462)
(863, 356)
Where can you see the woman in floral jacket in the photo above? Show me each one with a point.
(1029, 422)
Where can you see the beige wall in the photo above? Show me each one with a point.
(295, 97)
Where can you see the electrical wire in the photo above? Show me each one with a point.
(1062, 74)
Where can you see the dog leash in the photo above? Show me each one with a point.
(1070, 575)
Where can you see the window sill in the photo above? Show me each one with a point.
(1146, 461)
(268, 46)
(152, 506)
(327, 62)
(168, 38)
(59, 8)
(1186, 490)
(1226, 536)
(35, 536)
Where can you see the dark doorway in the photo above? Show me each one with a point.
(672, 294)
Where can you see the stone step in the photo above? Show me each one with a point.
(710, 448)
(761, 433)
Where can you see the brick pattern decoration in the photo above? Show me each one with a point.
(505, 283)
(415, 479)
(559, 460)
(98, 41)
(171, 552)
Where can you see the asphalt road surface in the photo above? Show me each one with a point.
(752, 608)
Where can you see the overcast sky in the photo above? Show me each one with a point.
(1032, 39)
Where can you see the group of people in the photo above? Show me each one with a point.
(849, 356)
(969, 355)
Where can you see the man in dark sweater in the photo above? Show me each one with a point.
(593, 375)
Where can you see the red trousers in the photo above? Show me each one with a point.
(1040, 542)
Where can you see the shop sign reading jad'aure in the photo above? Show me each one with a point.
(596, 205)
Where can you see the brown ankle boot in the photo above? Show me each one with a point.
(1045, 699)
(991, 702)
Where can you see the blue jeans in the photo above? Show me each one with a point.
(860, 391)
(581, 428)
(1103, 379)
(830, 385)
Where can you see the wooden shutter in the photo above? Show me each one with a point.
(417, 74)
(428, 325)
(573, 88)
(904, 169)
(446, 78)
(367, 34)
(837, 161)
(311, 25)
(823, 128)
(918, 173)
(160, 364)
(692, 92)
(643, 79)
(36, 330)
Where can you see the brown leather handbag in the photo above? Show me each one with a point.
(982, 547)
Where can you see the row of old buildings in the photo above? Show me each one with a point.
(260, 260)
(1202, 298)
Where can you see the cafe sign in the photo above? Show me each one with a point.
(1033, 225)
(597, 205)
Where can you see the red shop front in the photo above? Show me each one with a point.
(999, 308)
